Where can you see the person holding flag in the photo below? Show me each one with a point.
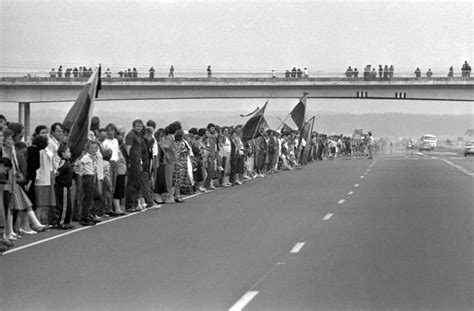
(76, 124)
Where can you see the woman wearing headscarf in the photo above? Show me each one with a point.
(180, 173)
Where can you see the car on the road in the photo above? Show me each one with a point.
(431, 139)
(424, 145)
(469, 148)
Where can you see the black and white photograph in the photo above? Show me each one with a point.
(257, 155)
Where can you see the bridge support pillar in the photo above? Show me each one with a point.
(24, 117)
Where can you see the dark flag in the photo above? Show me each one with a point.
(298, 113)
(253, 124)
(78, 118)
(357, 133)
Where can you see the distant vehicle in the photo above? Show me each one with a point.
(469, 148)
(424, 145)
(430, 139)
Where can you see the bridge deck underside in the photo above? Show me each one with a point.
(129, 91)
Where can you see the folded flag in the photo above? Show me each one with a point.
(77, 119)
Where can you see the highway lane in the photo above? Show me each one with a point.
(200, 255)
(401, 240)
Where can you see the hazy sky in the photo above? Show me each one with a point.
(253, 35)
(242, 35)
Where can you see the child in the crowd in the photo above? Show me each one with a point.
(63, 209)
(87, 167)
(107, 183)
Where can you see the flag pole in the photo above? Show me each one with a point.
(283, 121)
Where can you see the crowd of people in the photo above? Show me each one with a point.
(383, 73)
(42, 187)
(295, 73)
(82, 72)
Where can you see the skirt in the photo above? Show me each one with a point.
(160, 184)
(45, 196)
(119, 191)
(19, 200)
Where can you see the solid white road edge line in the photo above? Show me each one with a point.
(341, 201)
(328, 216)
(193, 195)
(298, 246)
(243, 301)
(459, 168)
(63, 234)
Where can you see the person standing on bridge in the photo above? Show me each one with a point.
(171, 74)
(374, 75)
(417, 73)
(299, 73)
(429, 74)
(451, 72)
(380, 72)
(385, 73)
(349, 72)
(390, 72)
(152, 72)
(209, 71)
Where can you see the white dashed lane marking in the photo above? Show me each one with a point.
(341, 201)
(328, 216)
(361, 177)
(356, 185)
(350, 192)
(243, 301)
(298, 246)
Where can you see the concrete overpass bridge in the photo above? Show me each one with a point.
(37, 90)
(26, 91)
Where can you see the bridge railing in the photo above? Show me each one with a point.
(224, 77)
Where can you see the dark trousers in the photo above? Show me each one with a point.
(62, 212)
(133, 186)
(91, 192)
(145, 186)
(78, 196)
(233, 168)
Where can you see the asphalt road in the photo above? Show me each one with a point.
(388, 234)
